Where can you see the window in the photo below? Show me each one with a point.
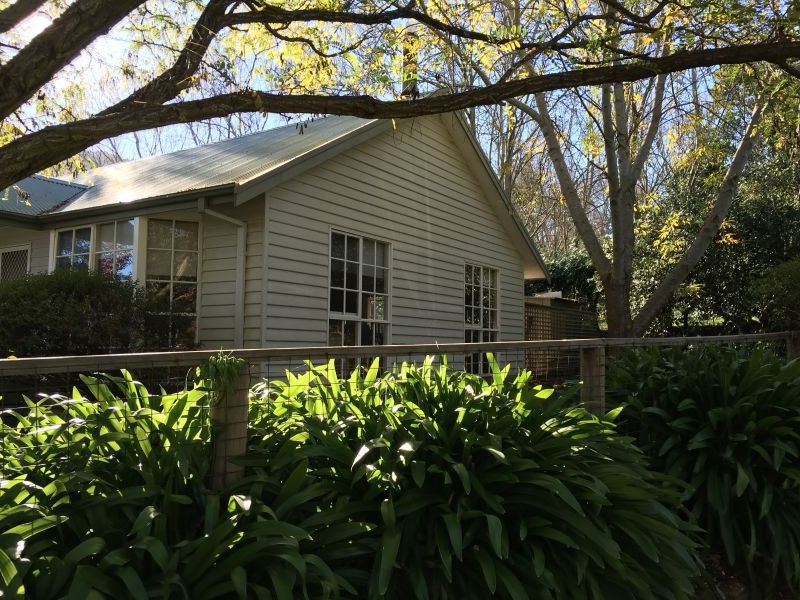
(480, 312)
(74, 248)
(113, 252)
(14, 263)
(359, 291)
(106, 248)
(171, 280)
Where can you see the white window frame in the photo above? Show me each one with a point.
(93, 243)
(141, 240)
(96, 250)
(18, 248)
(476, 362)
(356, 317)
(54, 254)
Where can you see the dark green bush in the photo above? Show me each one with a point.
(777, 297)
(727, 422)
(70, 312)
(439, 484)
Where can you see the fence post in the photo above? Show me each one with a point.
(229, 418)
(593, 374)
(793, 346)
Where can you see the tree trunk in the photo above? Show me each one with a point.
(618, 311)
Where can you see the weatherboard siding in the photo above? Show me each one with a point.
(37, 241)
(218, 305)
(411, 188)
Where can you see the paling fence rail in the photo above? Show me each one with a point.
(52, 379)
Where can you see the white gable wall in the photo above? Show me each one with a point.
(410, 188)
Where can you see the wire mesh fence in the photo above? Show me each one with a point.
(63, 409)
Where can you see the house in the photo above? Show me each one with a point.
(336, 231)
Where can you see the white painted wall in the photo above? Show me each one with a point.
(411, 188)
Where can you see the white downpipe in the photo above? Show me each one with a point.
(241, 259)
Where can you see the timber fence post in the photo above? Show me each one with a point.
(792, 345)
(229, 419)
(593, 374)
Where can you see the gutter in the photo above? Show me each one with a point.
(241, 259)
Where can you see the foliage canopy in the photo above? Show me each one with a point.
(175, 61)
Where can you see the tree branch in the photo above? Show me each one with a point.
(35, 151)
(719, 211)
(35, 64)
(178, 77)
(16, 13)
(567, 185)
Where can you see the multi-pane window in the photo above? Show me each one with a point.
(113, 251)
(14, 263)
(480, 312)
(359, 291)
(106, 248)
(74, 248)
(171, 280)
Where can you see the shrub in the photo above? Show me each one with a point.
(70, 312)
(444, 485)
(777, 296)
(727, 422)
(106, 499)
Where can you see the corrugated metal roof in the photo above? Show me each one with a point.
(40, 195)
(234, 161)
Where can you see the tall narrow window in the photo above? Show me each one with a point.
(358, 297)
(73, 248)
(113, 253)
(481, 322)
(171, 280)
(14, 263)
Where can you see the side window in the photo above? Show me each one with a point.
(73, 248)
(14, 263)
(481, 315)
(358, 297)
(171, 280)
(113, 252)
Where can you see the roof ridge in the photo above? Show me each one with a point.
(211, 144)
(64, 182)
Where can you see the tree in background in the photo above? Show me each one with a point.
(572, 274)
(759, 232)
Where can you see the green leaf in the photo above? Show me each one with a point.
(239, 579)
(742, 480)
(387, 513)
(463, 475)
(495, 526)
(487, 568)
(453, 525)
(133, 583)
(418, 470)
(7, 568)
(390, 544)
(511, 583)
(86, 548)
